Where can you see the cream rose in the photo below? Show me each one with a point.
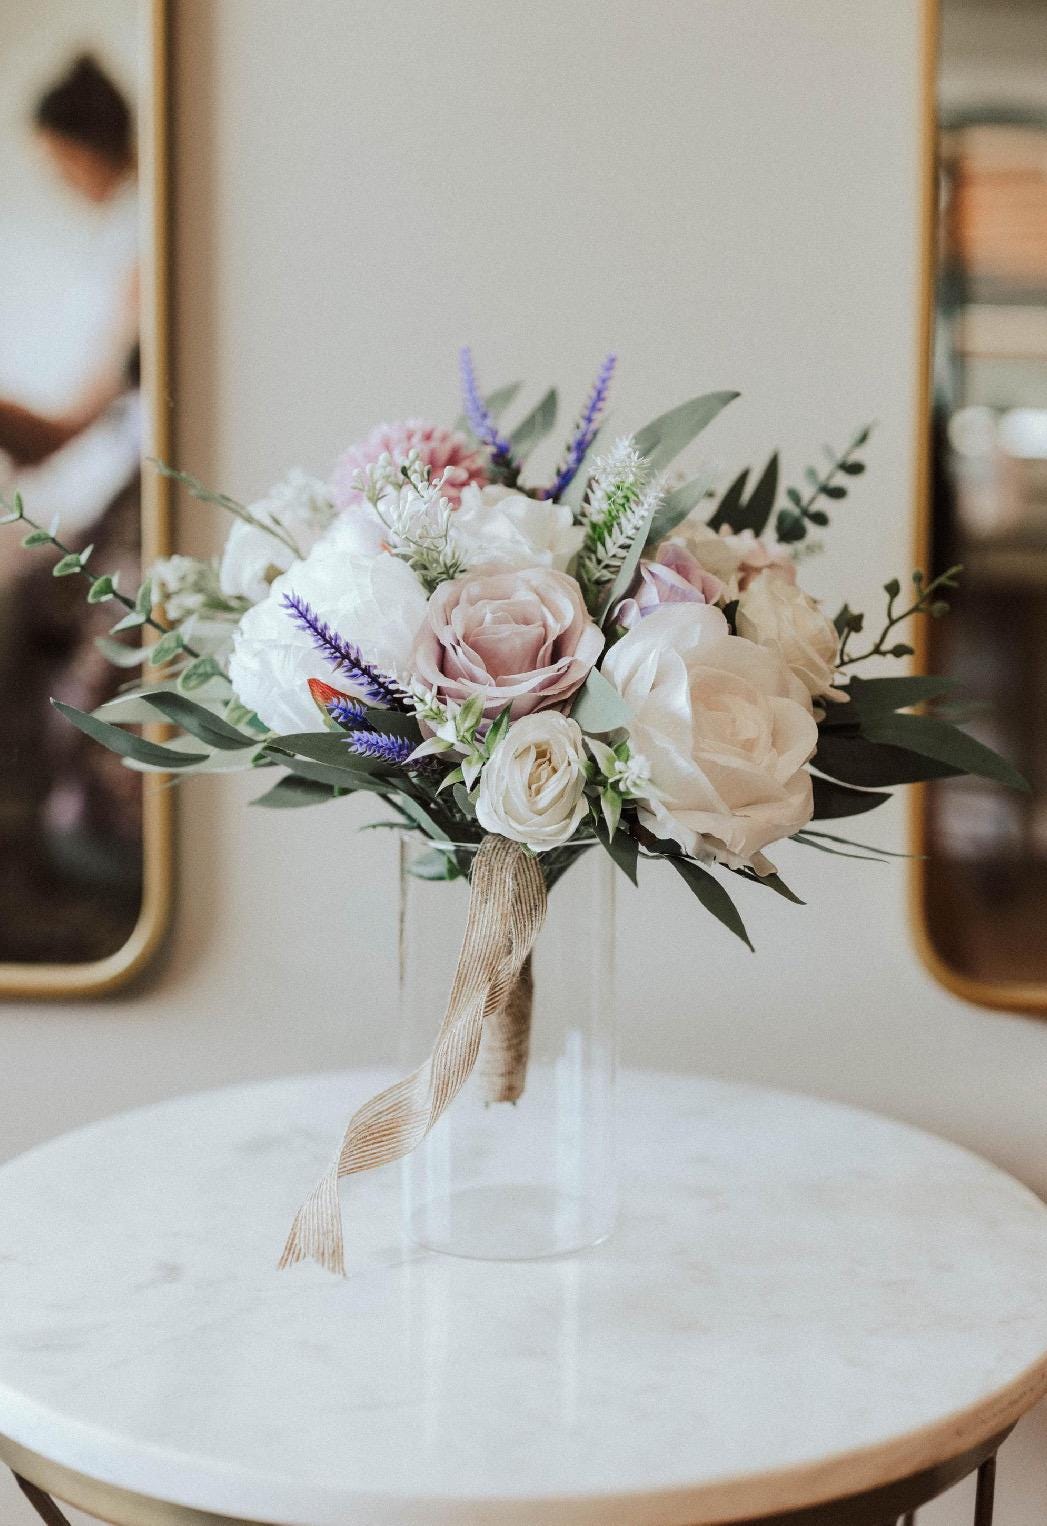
(726, 730)
(514, 637)
(776, 614)
(532, 786)
(497, 524)
(736, 559)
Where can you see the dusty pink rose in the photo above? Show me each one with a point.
(756, 556)
(736, 559)
(674, 577)
(520, 637)
(443, 450)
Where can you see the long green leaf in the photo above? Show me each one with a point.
(878, 696)
(325, 747)
(623, 848)
(535, 426)
(662, 440)
(421, 817)
(125, 742)
(198, 721)
(712, 895)
(864, 761)
(772, 882)
(945, 745)
(754, 512)
(732, 503)
(834, 801)
(676, 506)
(344, 779)
(291, 792)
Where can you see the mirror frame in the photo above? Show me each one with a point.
(1010, 996)
(98, 977)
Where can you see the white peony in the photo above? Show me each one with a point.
(499, 525)
(376, 603)
(300, 506)
(725, 728)
(531, 788)
(776, 614)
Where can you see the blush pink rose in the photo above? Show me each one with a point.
(674, 577)
(520, 637)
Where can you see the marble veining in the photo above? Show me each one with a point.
(800, 1300)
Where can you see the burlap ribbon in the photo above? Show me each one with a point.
(492, 986)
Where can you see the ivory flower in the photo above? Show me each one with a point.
(497, 524)
(726, 730)
(776, 614)
(532, 786)
(736, 559)
(521, 637)
(253, 556)
(376, 603)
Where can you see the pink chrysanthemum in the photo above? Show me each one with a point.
(443, 451)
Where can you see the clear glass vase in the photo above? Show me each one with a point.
(516, 1180)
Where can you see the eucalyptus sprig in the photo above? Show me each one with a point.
(103, 587)
(232, 506)
(792, 522)
(926, 602)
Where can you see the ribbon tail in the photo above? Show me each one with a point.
(507, 906)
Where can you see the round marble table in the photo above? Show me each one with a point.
(803, 1303)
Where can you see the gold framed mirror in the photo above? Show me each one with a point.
(85, 851)
(979, 885)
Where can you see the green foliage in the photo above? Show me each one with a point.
(833, 800)
(126, 743)
(198, 721)
(662, 440)
(801, 509)
(737, 513)
(535, 427)
(712, 895)
(677, 504)
(598, 707)
(291, 792)
(102, 589)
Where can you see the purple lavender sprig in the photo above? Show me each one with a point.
(344, 656)
(584, 431)
(381, 746)
(350, 715)
(479, 415)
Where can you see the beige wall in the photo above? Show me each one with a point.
(725, 191)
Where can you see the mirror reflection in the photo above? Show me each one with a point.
(70, 443)
(986, 879)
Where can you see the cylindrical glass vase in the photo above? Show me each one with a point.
(516, 1180)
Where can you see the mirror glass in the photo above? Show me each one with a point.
(985, 879)
(72, 436)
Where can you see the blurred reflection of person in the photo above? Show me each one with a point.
(85, 128)
(68, 823)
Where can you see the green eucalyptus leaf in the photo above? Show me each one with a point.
(535, 426)
(144, 598)
(291, 792)
(437, 864)
(198, 721)
(712, 895)
(662, 440)
(66, 566)
(120, 655)
(37, 538)
(130, 622)
(738, 513)
(623, 848)
(676, 506)
(772, 882)
(101, 589)
(945, 745)
(866, 761)
(878, 696)
(599, 708)
(731, 504)
(198, 673)
(171, 643)
(421, 817)
(125, 742)
(833, 800)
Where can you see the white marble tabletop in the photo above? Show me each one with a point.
(801, 1301)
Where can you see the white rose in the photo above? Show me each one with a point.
(299, 505)
(498, 525)
(776, 614)
(376, 603)
(531, 788)
(725, 728)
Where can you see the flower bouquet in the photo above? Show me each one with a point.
(617, 662)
